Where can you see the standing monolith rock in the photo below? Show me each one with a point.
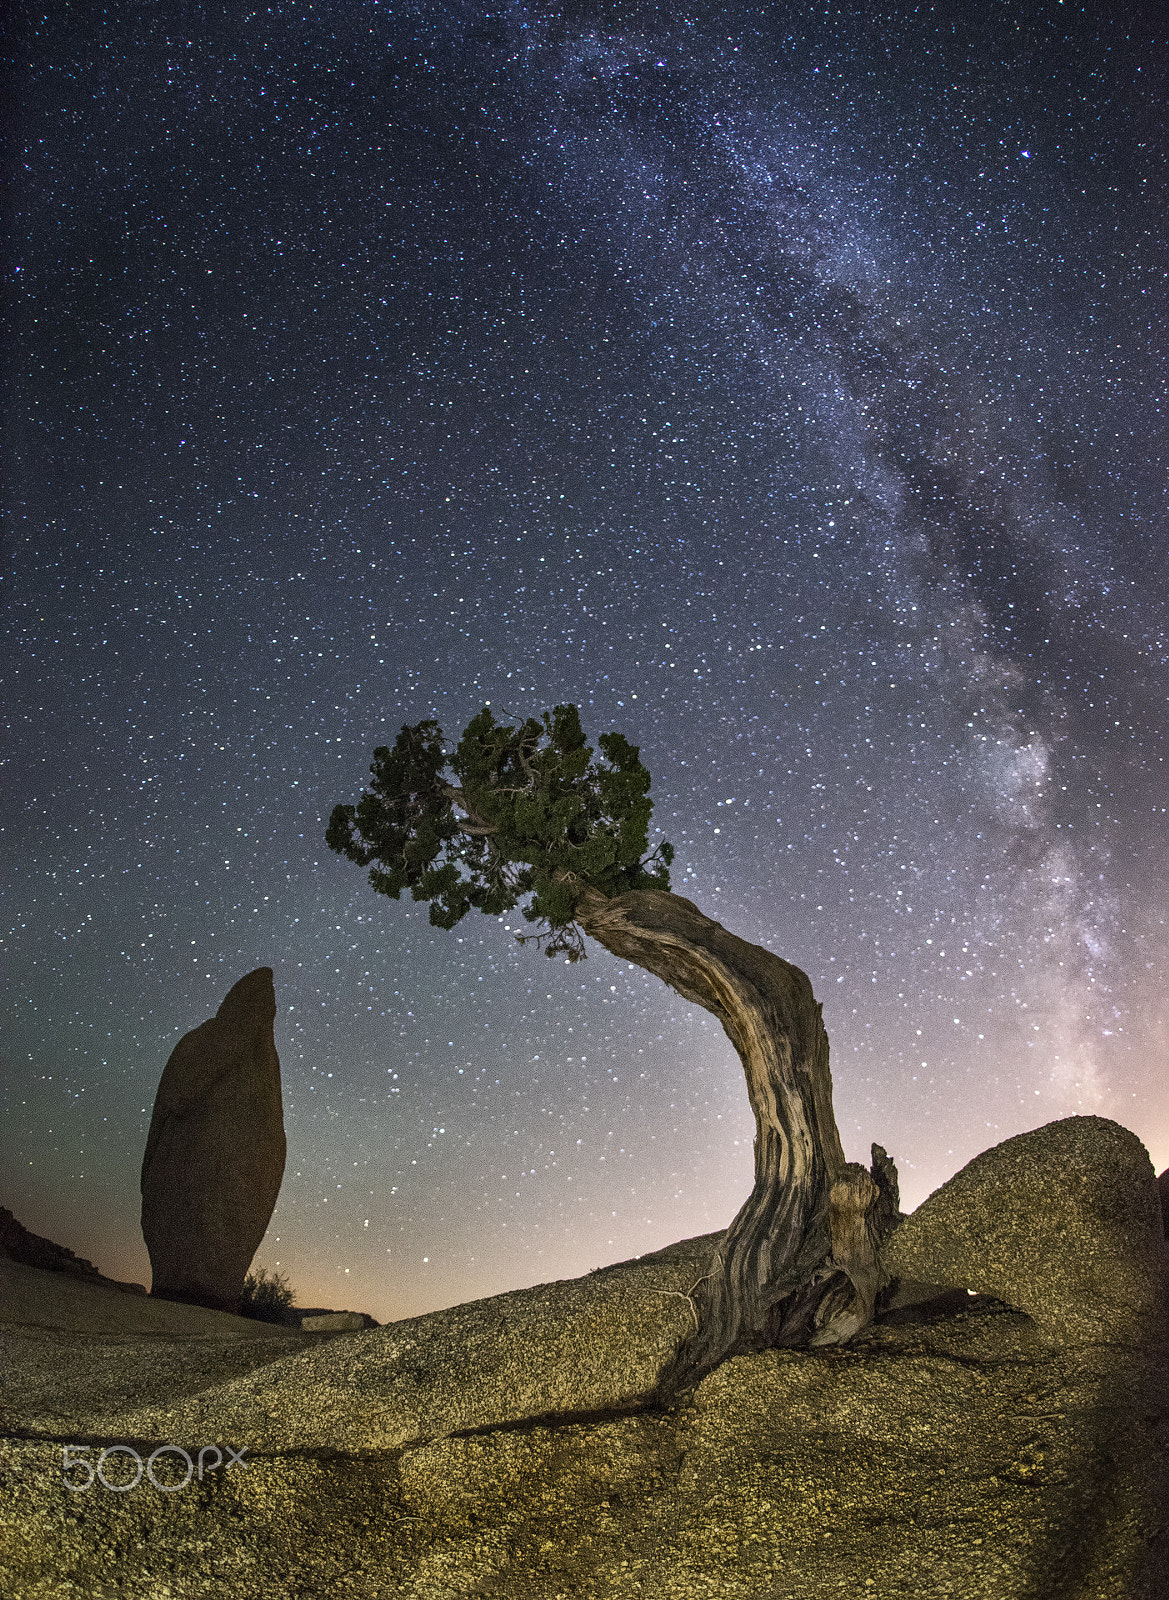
(215, 1152)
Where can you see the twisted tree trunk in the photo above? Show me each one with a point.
(800, 1263)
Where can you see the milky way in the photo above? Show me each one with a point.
(786, 390)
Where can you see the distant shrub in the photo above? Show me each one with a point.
(266, 1296)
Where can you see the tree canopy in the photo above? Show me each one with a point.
(513, 813)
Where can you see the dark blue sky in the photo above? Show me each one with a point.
(785, 388)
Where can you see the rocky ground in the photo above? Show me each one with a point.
(959, 1447)
(948, 1452)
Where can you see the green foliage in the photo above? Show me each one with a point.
(266, 1295)
(512, 812)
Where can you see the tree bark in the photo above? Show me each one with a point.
(799, 1265)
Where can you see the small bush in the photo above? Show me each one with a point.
(266, 1296)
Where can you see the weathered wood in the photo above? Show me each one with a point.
(862, 1209)
(799, 1264)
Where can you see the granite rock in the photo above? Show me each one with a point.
(215, 1151)
(939, 1456)
(514, 1447)
(592, 1344)
(333, 1322)
(1063, 1223)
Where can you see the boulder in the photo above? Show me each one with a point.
(295, 1316)
(333, 1322)
(1063, 1223)
(215, 1152)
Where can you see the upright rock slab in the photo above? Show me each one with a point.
(215, 1152)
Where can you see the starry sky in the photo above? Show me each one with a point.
(786, 387)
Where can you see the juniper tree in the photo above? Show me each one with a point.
(529, 815)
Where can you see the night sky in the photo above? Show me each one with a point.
(786, 388)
